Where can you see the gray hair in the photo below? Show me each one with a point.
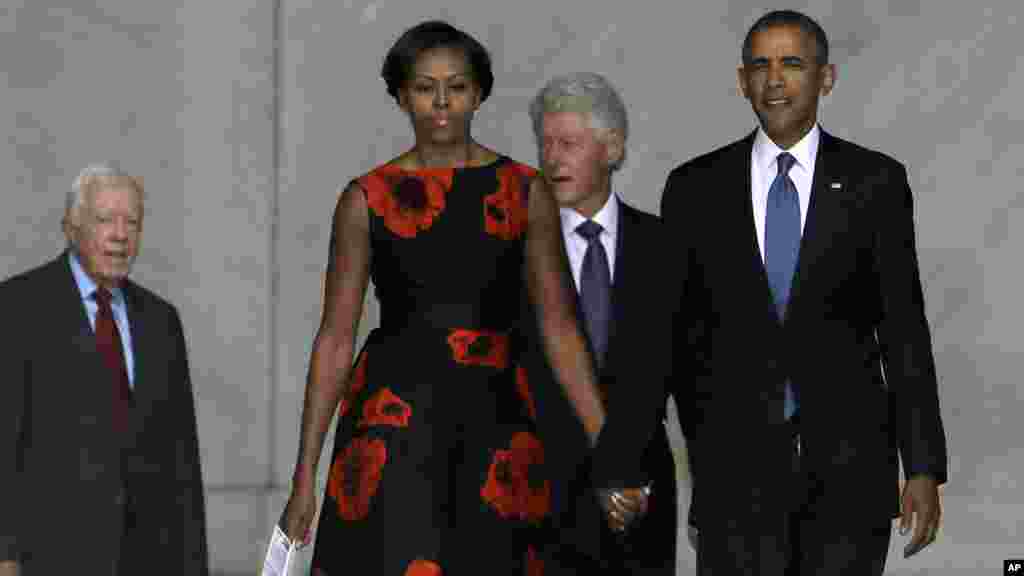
(76, 195)
(582, 91)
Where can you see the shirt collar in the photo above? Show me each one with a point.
(86, 285)
(607, 217)
(804, 151)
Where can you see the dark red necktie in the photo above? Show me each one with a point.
(108, 342)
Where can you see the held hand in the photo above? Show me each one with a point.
(920, 500)
(9, 568)
(621, 507)
(297, 518)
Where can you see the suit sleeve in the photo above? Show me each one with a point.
(903, 333)
(187, 462)
(14, 382)
(687, 324)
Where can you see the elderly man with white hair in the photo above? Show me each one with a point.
(99, 455)
(613, 504)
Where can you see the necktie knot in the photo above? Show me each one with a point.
(102, 297)
(589, 230)
(785, 162)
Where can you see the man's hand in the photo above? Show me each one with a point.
(621, 507)
(9, 568)
(920, 499)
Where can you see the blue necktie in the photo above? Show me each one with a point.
(782, 249)
(595, 289)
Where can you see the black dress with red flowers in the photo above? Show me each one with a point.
(436, 467)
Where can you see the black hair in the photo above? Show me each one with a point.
(789, 18)
(399, 62)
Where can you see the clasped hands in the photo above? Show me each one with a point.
(622, 506)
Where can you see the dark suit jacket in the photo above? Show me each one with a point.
(65, 475)
(855, 340)
(632, 446)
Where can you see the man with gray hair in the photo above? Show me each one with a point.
(613, 504)
(99, 456)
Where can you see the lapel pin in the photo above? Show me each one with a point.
(836, 186)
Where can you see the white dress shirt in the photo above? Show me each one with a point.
(576, 245)
(764, 167)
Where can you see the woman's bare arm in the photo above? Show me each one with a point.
(348, 272)
(552, 296)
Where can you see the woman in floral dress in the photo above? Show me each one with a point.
(436, 467)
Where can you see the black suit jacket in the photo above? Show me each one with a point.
(632, 446)
(65, 475)
(855, 340)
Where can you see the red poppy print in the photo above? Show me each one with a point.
(534, 563)
(515, 485)
(407, 202)
(505, 210)
(479, 347)
(523, 387)
(384, 408)
(356, 385)
(420, 567)
(355, 475)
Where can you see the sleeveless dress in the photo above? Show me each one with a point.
(436, 467)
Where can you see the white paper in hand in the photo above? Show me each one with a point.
(279, 554)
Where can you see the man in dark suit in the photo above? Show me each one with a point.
(99, 458)
(804, 300)
(614, 506)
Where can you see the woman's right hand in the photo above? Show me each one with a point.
(297, 518)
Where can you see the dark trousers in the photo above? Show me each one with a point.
(809, 545)
(824, 546)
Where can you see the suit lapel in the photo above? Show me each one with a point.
(820, 216)
(142, 349)
(74, 310)
(90, 385)
(742, 183)
(620, 282)
(70, 310)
